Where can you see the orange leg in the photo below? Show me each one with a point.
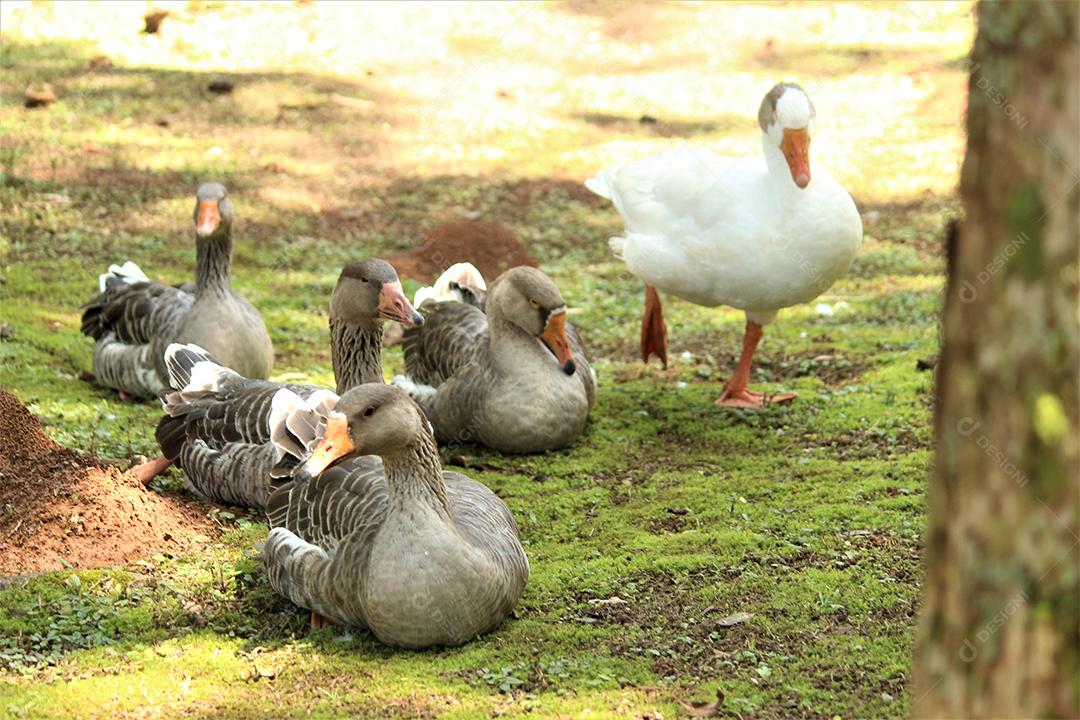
(736, 393)
(653, 328)
(150, 469)
(318, 622)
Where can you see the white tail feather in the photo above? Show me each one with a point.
(206, 378)
(417, 391)
(463, 274)
(296, 425)
(284, 402)
(177, 370)
(127, 274)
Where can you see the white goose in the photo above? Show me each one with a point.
(754, 233)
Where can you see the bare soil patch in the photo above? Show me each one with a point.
(667, 622)
(493, 248)
(59, 507)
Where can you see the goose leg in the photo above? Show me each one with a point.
(318, 622)
(147, 471)
(736, 393)
(653, 328)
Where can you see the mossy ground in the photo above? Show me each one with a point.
(349, 134)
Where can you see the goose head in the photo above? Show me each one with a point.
(368, 291)
(369, 419)
(785, 116)
(213, 211)
(527, 298)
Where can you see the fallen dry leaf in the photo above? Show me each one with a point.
(735, 619)
(613, 600)
(266, 672)
(39, 95)
(221, 86)
(152, 21)
(704, 709)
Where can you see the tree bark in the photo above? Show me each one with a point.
(999, 627)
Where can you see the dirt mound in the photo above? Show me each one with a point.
(59, 506)
(491, 247)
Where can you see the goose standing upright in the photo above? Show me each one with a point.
(754, 233)
(419, 556)
(133, 319)
(217, 421)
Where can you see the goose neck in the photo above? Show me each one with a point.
(414, 478)
(780, 180)
(355, 351)
(213, 264)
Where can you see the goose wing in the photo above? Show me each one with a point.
(137, 313)
(454, 335)
(217, 427)
(130, 321)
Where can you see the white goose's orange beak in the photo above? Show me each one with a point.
(796, 147)
(208, 218)
(335, 445)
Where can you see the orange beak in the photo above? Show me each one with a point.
(796, 147)
(554, 337)
(335, 445)
(393, 305)
(208, 218)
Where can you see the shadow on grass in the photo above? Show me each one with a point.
(648, 124)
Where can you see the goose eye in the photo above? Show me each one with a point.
(363, 279)
(535, 304)
(369, 411)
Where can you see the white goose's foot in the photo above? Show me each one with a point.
(747, 398)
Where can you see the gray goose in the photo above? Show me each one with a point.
(217, 421)
(393, 543)
(132, 320)
(512, 376)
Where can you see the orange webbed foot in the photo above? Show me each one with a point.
(147, 471)
(318, 621)
(748, 399)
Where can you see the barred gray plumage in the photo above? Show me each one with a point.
(217, 422)
(419, 556)
(484, 376)
(133, 320)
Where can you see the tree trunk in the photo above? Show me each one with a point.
(999, 631)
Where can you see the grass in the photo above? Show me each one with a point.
(347, 137)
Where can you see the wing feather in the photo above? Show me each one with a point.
(454, 335)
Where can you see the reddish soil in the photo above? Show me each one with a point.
(60, 506)
(491, 247)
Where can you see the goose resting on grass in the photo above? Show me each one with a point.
(419, 556)
(512, 376)
(133, 320)
(754, 233)
(217, 421)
